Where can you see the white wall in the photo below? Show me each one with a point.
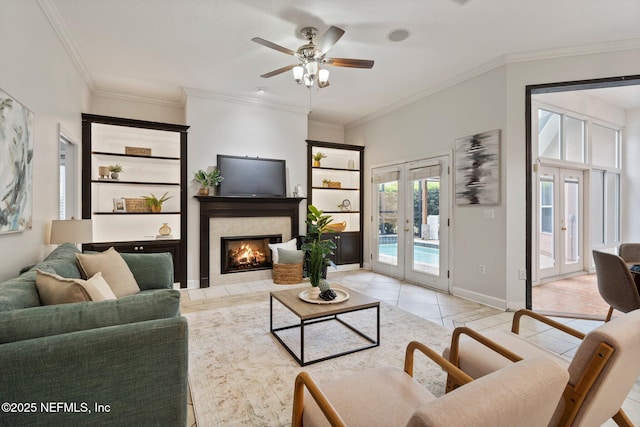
(327, 132)
(630, 185)
(37, 71)
(431, 126)
(493, 100)
(137, 108)
(218, 126)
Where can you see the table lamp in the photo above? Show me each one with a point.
(71, 230)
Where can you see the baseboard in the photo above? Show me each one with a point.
(498, 303)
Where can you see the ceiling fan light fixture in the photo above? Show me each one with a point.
(323, 77)
(311, 68)
(298, 73)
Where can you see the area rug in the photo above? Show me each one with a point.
(240, 375)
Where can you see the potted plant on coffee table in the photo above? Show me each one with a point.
(156, 203)
(318, 250)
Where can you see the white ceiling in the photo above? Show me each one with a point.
(157, 48)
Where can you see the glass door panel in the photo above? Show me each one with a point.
(388, 248)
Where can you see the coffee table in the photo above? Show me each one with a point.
(310, 313)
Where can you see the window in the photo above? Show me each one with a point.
(605, 208)
(605, 146)
(561, 137)
(546, 205)
(68, 185)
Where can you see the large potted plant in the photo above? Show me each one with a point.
(318, 250)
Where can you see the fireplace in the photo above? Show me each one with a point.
(246, 253)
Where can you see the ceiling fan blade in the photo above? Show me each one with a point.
(351, 63)
(328, 39)
(277, 47)
(278, 71)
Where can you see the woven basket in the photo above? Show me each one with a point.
(287, 274)
(335, 184)
(136, 205)
(137, 151)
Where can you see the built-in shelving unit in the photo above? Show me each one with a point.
(335, 186)
(111, 140)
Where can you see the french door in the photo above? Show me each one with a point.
(411, 213)
(560, 221)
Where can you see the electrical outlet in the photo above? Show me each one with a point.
(481, 269)
(522, 274)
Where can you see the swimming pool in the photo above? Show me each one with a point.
(422, 254)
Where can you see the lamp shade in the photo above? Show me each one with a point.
(71, 231)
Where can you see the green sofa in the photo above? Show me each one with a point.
(115, 362)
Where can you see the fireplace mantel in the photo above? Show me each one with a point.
(238, 207)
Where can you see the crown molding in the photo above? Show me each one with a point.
(53, 16)
(244, 101)
(325, 125)
(599, 48)
(175, 103)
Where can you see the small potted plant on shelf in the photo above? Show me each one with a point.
(317, 157)
(207, 179)
(318, 250)
(156, 203)
(326, 182)
(115, 170)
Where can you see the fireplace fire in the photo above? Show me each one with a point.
(247, 253)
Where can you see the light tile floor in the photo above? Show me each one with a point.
(446, 310)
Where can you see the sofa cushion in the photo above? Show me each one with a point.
(114, 270)
(20, 292)
(35, 322)
(152, 271)
(54, 289)
(63, 261)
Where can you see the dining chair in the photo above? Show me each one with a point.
(615, 283)
(602, 371)
(630, 252)
(524, 394)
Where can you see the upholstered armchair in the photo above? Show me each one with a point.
(602, 372)
(524, 394)
(615, 283)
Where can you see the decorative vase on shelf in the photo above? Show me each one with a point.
(316, 163)
(165, 230)
(203, 191)
(156, 208)
(114, 175)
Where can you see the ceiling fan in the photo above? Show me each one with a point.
(311, 55)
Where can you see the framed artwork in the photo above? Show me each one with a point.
(16, 165)
(478, 169)
(119, 205)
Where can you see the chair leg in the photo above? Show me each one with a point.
(621, 419)
(609, 314)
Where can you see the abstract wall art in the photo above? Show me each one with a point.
(478, 169)
(16, 167)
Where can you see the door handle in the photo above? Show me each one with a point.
(406, 229)
(563, 228)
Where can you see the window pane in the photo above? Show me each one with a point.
(574, 140)
(388, 222)
(546, 241)
(612, 212)
(549, 131)
(604, 146)
(596, 222)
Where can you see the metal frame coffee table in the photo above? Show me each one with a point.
(310, 313)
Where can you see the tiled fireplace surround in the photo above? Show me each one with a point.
(241, 216)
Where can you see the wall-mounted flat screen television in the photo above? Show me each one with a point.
(252, 176)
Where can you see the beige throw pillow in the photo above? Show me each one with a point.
(54, 289)
(114, 269)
